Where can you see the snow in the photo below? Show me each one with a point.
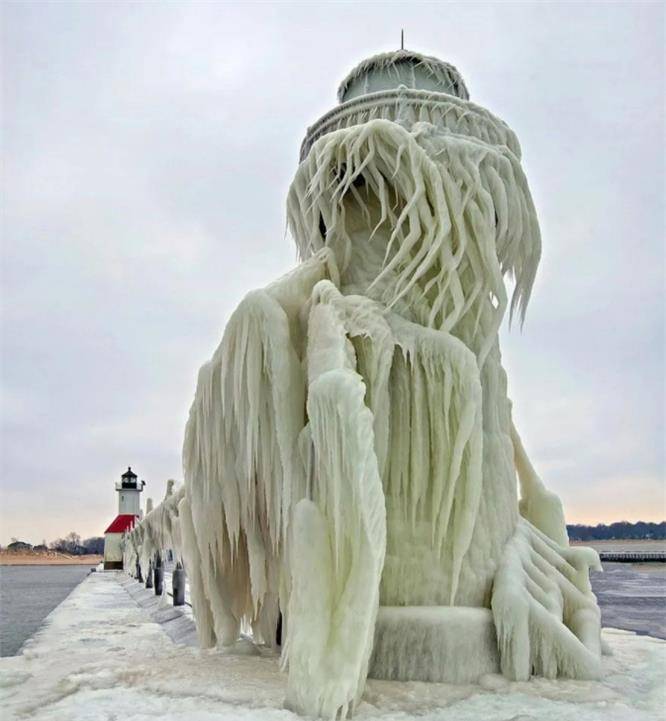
(99, 657)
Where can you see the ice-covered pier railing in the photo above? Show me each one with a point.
(351, 463)
(156, 536)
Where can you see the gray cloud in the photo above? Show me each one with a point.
(148, 149)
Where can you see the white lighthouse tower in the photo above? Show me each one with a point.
(129, 492)
(129, 510)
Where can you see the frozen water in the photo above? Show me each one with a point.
(633, 597)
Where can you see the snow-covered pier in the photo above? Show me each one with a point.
(106, 652)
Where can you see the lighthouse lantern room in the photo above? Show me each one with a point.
(129, 509)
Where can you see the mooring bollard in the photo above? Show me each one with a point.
(149, 575)
(159, 576)
(178, 581)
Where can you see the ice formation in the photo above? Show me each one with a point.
(351, 465)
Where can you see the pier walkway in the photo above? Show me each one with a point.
(101, 655)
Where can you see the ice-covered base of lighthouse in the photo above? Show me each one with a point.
(351, 464)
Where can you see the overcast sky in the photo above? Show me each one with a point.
(148, 148)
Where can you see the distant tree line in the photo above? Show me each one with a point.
(71, 544)
(621, 530)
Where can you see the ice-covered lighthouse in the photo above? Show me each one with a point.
(129, 510)
(351, 462)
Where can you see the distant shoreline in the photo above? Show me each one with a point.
(47, 558)
(630, 545)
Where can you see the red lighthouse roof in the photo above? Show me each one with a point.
(121, 523)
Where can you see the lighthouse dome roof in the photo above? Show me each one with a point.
(389, 71)
(408, 87)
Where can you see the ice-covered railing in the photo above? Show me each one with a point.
(157, 533)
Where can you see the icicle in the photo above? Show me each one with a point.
(542, 508)
(446, 186)
(242, 470)
(337, 548)
(546, 615)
